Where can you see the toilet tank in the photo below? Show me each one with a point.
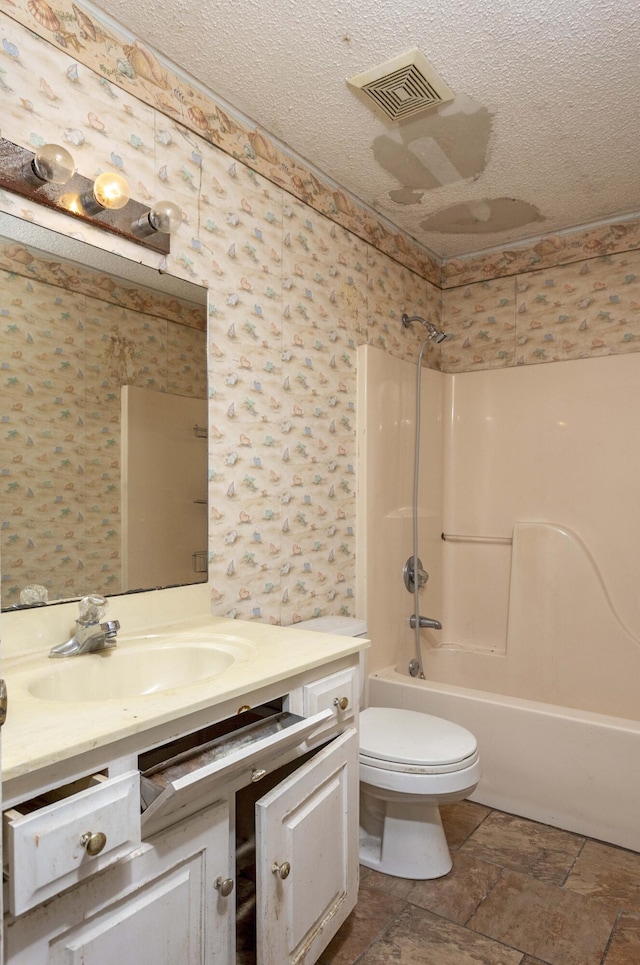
(341, 626)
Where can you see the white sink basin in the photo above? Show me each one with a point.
(132, 672)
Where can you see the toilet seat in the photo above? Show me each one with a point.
(406, 741)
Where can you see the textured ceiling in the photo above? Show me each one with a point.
(542, 134)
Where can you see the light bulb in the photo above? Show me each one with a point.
(165, 216)
(111, 190)
(53, 163)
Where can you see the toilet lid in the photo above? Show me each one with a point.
(409, 737)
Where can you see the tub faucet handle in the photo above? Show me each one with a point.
(409, 574)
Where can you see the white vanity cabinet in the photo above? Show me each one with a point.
(173, 896)
(157, 906)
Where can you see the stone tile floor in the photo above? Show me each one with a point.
(519, 893)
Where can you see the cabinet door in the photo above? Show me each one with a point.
(160, 906)
(160, 924)
(307, 856)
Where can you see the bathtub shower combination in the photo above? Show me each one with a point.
(545, 755)
(544, 669)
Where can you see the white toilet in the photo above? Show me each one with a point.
(410, 763)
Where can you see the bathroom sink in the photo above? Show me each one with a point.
(133, 672)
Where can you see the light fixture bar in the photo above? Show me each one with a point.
(14, 160)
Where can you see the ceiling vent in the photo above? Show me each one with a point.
(403, 87)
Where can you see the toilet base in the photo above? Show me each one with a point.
(406, 841)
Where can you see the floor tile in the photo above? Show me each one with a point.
(545, 921)
(417, 937)
(398, 887)
(608, 873)
(455, 896)
(367, 921)
(461, 819)
(625, 945)
(526, 846)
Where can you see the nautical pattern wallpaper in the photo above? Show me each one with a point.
(298, 276)
(580, 310)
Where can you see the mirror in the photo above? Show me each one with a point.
(104, 413)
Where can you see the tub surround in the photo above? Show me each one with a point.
(550, 610)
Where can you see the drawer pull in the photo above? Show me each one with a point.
(243, 709)
(93, 842)
(283, 870)
(257, 774)
(224, 885)
(341, 702)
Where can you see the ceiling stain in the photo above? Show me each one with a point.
(442, 148)
(483, 217)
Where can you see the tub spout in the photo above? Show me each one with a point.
(425, 623)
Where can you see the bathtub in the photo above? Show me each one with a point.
(569, 768)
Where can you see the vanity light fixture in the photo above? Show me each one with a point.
(49, 177)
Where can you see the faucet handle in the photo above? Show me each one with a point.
(92, 609)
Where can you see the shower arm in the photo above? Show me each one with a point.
(434, 332)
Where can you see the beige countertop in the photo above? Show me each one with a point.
(41, 732)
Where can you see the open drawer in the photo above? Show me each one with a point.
(54, 841)
(175, 787)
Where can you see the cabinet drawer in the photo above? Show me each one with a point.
(175, 790)
(57, 844)
(337, 692)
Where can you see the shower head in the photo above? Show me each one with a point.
(434, 332)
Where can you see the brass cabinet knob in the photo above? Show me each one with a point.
(283, 870)
(224, 885)
(257, 774)
(93, 842)
(341, 702)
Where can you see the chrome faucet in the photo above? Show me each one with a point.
(425, 623)
(91, 635)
